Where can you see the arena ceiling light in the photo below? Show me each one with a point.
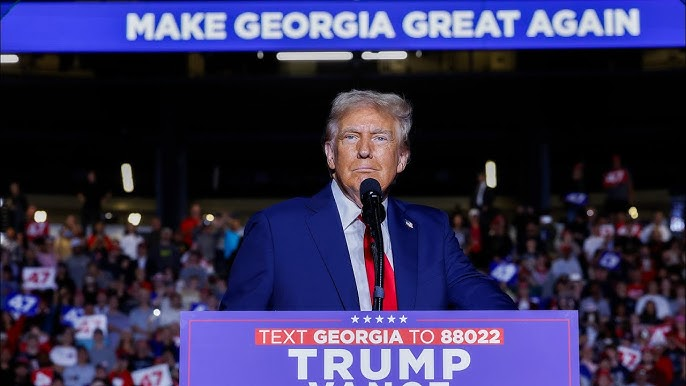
(315, 56)
(134, 218)
(491, 177)
(384, 55)
(9, 58)
(127, 177)
(40, 216)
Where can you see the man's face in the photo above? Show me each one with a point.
(367, 146)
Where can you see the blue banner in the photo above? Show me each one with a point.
(191, 26)
(410, 348)
(71, 315)
(18, 304)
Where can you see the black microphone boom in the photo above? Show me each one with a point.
(373, 214)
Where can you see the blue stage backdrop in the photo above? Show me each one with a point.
(141, 26)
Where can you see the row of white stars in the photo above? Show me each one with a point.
(379, 319)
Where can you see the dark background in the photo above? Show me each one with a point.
(245, 129)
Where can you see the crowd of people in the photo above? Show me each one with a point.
(87, 306)
(81, 306)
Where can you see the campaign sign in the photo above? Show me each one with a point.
(630, 357)
(64, 356)
(157, 375)
(86, 325)
(387, 348)
(38, 278)
(71, 315)
(610, 260)
(19, 304)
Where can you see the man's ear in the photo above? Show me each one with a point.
(329, 151)
(403, 160)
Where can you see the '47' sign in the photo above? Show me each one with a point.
(20, 304)
(38, 278)
(157, 375)
(86, 325)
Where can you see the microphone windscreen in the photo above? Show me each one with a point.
(370, 185)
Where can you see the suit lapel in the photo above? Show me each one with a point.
(404, 241)
(325, 227)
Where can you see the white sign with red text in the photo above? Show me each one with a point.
(87, 324)
(630, 357)
(659, 334)
(157, 375)
(38, 278)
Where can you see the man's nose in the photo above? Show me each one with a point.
(364, 148)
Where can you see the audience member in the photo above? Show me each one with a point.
(101, 353)
(17, 205)
(82, 373)
(618, 186)
(92, 195)
(190, 225)
(130, 241)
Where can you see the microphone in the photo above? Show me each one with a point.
(370, 194)
(373, 214)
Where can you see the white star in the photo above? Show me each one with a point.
(379, 319)
(367, 319)
(391, 319)
(354, 318)
(403, 319)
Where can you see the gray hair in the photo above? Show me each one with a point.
(394, 105)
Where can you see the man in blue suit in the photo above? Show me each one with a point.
(307, 253)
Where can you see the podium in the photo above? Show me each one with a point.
(379, 348)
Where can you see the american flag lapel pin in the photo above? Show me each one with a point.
(409, 224)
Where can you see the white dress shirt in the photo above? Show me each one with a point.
(354, 236)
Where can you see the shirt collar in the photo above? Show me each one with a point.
(347, 209)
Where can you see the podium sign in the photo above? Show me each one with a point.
(388, 348)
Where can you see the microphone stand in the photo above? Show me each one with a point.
(373, 213)
(378, 255)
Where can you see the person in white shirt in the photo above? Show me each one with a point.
(657, 230)
(662, 306)
(130, 240)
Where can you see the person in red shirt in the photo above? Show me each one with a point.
(475, 236)
(35, 229)
(120, 375)
(191, 224)
(98, 239)
(619, 188)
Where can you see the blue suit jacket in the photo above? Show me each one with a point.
(294, 257)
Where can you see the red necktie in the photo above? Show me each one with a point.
(390, 302)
